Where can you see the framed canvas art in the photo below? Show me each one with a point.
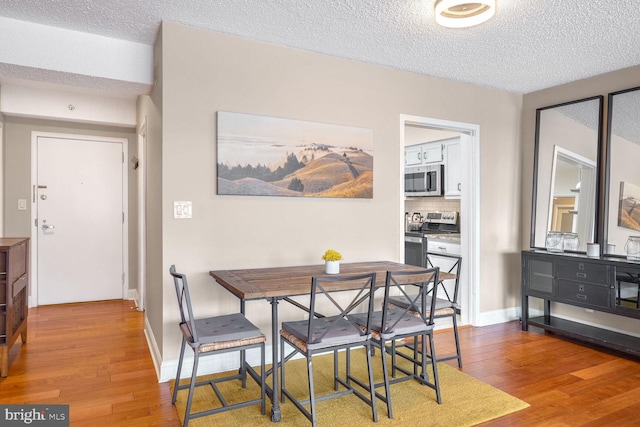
(629, 211)
(269, 156)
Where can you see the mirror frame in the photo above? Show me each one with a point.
(607, 180)
(599, 166)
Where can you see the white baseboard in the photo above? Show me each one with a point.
(494, 317)
(153, 348)
(211, 364)
(133, 295)
(166, 369)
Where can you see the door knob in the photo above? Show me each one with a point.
(46, 226)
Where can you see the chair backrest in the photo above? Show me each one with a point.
(324, 297)
(454, 269)
(187, 322)
(405, 282)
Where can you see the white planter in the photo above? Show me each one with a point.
(332, 267)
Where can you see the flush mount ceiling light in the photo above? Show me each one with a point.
(464, 13)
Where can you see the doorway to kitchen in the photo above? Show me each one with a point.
(467, 200)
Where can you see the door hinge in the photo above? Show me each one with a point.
(123, 278)
(123, 157)
(35, 222)
(123, 217)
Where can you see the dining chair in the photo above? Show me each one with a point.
(211, 336)
(446, 304)
(393, 323)
(330, 331)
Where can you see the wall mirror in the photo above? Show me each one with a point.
(566, 164)
(622, 201)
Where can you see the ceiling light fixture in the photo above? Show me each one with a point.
(464, 13)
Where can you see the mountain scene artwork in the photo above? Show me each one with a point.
(268, 156)
(629, 211)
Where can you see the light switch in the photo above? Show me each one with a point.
(181, 210)
(22, 204)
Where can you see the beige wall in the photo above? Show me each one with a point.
(205, 72)
(598, 85)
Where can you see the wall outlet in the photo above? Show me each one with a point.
(182, 210)
(22, 204)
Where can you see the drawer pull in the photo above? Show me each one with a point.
(580, 296)
(19, 285)
(582, 275)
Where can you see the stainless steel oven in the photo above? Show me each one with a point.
(424, 181)
(415, 249)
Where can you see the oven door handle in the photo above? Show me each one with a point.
(413, 239)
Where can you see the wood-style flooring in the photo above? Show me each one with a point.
(95, 357)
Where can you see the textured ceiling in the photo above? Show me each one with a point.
(529, 44)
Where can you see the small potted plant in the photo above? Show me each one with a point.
(332, 261)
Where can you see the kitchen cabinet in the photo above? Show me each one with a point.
(413, 155)
(443, 246)
(423, 154)
(14, 287)
(432, 153)
(610, 285)
(452, 169)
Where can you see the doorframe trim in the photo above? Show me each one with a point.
(142, 215)
(469, 205)
(33, 273)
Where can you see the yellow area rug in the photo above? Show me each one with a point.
(465, 400)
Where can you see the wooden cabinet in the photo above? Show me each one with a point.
(14, 292)
(610, 285)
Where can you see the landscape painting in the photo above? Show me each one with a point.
(268, 156)
(629, 212)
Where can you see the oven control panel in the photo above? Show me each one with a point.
(441, 217)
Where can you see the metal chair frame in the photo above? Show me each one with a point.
(399, 323)
(318, 339)
(453, 300)
(206, 347)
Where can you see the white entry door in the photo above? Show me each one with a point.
(79, 198)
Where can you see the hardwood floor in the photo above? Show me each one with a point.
(95, 358)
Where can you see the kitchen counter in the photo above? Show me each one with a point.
(439, 237)
(445, 237)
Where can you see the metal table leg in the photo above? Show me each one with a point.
(276, 416)
(242, 352)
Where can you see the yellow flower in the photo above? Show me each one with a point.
(331, 255)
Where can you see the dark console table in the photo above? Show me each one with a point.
(605, 284)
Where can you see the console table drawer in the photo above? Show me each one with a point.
(584, 294)
(583, 272)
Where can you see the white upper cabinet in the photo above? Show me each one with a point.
(452, 169)
(423, 154)
(432, 153)
(413, 155)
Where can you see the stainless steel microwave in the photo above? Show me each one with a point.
(424, 181)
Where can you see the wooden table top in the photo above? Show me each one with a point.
(257, 283)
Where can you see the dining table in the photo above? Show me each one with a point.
(275, 284)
